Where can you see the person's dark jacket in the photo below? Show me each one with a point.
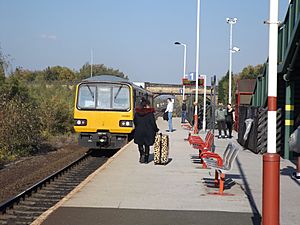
(145, 126)
(229, 116)
(183, 107)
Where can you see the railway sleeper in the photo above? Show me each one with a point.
(25, 214)
(78, 176)
(64, 183)
(47, 200)
(73, 179)
(46, 195)
(53, 192)
(31, 208)
(15, 217)
(57, 188)
(60, 183)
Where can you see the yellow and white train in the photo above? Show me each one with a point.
(104, 111)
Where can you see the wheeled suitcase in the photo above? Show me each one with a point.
(161, 149)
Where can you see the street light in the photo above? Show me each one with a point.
(204, 105)
(230, 21)
(197, 67)
(184, 65)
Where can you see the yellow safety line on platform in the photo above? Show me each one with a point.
(44, 216)
(289, 107)
(289, 122)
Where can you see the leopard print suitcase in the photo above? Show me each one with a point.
(161, 149)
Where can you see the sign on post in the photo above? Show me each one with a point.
(187, 82)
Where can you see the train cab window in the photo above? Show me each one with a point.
(121, 97)
(87, 96)
(104, 97)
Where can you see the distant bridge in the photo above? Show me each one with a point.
(173, 89)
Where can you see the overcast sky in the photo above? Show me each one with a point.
(135, 36)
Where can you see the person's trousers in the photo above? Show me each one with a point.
(229, 126)
(144, 150)
(183, 116)
(170, 121)
(221, 126)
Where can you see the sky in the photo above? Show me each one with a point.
(135, 36)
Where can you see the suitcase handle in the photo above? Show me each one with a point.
(160, 148)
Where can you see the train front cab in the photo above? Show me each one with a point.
(104, 114)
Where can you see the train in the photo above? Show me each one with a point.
(104, 111)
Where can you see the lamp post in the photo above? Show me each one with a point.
(230, 21)
(204, 104)
(92, 57)
(184, 65)
(197, 67)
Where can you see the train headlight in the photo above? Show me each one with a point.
(126, 123)
(80, 122)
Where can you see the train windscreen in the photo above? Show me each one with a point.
(102, 96)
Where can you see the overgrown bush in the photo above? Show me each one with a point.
(55, 107)
(20, 126)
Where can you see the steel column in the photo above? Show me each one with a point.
(289, 116)
(271, 160)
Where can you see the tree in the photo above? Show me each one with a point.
(24, 75)
(98, 69)
(223, 89)
(249, 72)
(3, 66)
(59, 73)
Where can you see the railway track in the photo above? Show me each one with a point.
(25, 207)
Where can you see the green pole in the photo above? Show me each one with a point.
(289, 117)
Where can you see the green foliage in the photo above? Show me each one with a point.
(20, 127)
(55, 107)
(223, 89)
(3, 66)
(249, 72)
(59, 73)
(98, 69)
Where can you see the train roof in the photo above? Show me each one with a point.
(109, 78)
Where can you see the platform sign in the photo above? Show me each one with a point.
(187, 82)
(192, 76)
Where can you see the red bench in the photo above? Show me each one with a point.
(186, 126)
(221, 164)
(198, 143)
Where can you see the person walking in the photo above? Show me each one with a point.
(220, 118)
(183, 111)
(169, 110)
(145, 129)
(229, 119)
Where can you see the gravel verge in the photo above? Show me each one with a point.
(20, 175)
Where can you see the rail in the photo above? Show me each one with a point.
(9, 204)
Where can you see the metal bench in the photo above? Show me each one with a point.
(202, 146)
(221, 164)
(186, 126)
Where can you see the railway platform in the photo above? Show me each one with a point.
(125, 192)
